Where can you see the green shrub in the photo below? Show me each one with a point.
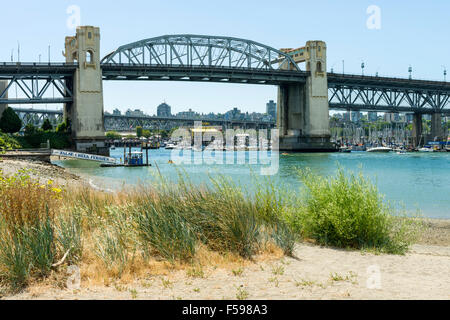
(10, 121)
(57, 140)
(47, 126)
(349, 212)
(113, 135)
(8, 143)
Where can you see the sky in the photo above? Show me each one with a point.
(404, 33)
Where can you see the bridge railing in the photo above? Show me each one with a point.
(199, 67)
(38, 64)
(387, 78)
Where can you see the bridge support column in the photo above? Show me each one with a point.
(85, 114)
(437, 131)
(417, 130)
(303, 112)
(3, 85)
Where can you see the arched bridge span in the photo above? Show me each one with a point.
(201, 58)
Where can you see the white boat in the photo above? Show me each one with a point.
(380, 150)
(426, 150)
(170, 146)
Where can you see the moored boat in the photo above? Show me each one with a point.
(380, 150)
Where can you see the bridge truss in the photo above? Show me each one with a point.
(363, 93)
(36, 83)
(200, 50)
(36, 117)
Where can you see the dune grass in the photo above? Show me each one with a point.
(128, 234)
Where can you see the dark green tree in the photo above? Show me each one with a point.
(47, 126)
(10, 121)
(139, 131)
(30, 129)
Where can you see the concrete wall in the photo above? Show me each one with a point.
(3, 85)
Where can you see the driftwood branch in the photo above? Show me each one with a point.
(62, 260)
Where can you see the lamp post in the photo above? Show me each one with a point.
(343, 67)
(445, 73)
(362, 67)
(410, 72)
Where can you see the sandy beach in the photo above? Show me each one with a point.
(315, 273)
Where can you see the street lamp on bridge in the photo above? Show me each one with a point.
(410, 72)
(362, 67)
(445, 73)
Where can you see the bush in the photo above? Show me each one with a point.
(349, 212)
(63, 128)
(10, 121)
(47, 126)
(57, 140)
(8, 143)
(113, 135)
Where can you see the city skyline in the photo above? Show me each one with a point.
(389, 50)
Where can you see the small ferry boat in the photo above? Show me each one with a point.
(170, 146)
(380, 150)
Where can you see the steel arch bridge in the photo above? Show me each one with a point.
(201, 50)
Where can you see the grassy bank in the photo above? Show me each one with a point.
(44, 229)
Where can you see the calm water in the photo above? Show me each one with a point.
(415, 181)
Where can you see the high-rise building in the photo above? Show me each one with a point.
(347, 116)
(164, 110)
(135, 113)
(271, 109)
(392, 117)
(356, 116)
(372, 116)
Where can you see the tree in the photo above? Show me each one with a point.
(139, 131)
(10, 121)
(30, 129)
(47, 126)
(146, 133)
(113, 135)
(62, 127)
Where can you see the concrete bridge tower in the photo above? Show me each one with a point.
(303, 113)
(85, 114)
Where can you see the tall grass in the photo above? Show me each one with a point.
(348, 211)
(126, 232)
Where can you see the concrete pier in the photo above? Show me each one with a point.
(437, 131)
(417, 130)
(303, 112)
